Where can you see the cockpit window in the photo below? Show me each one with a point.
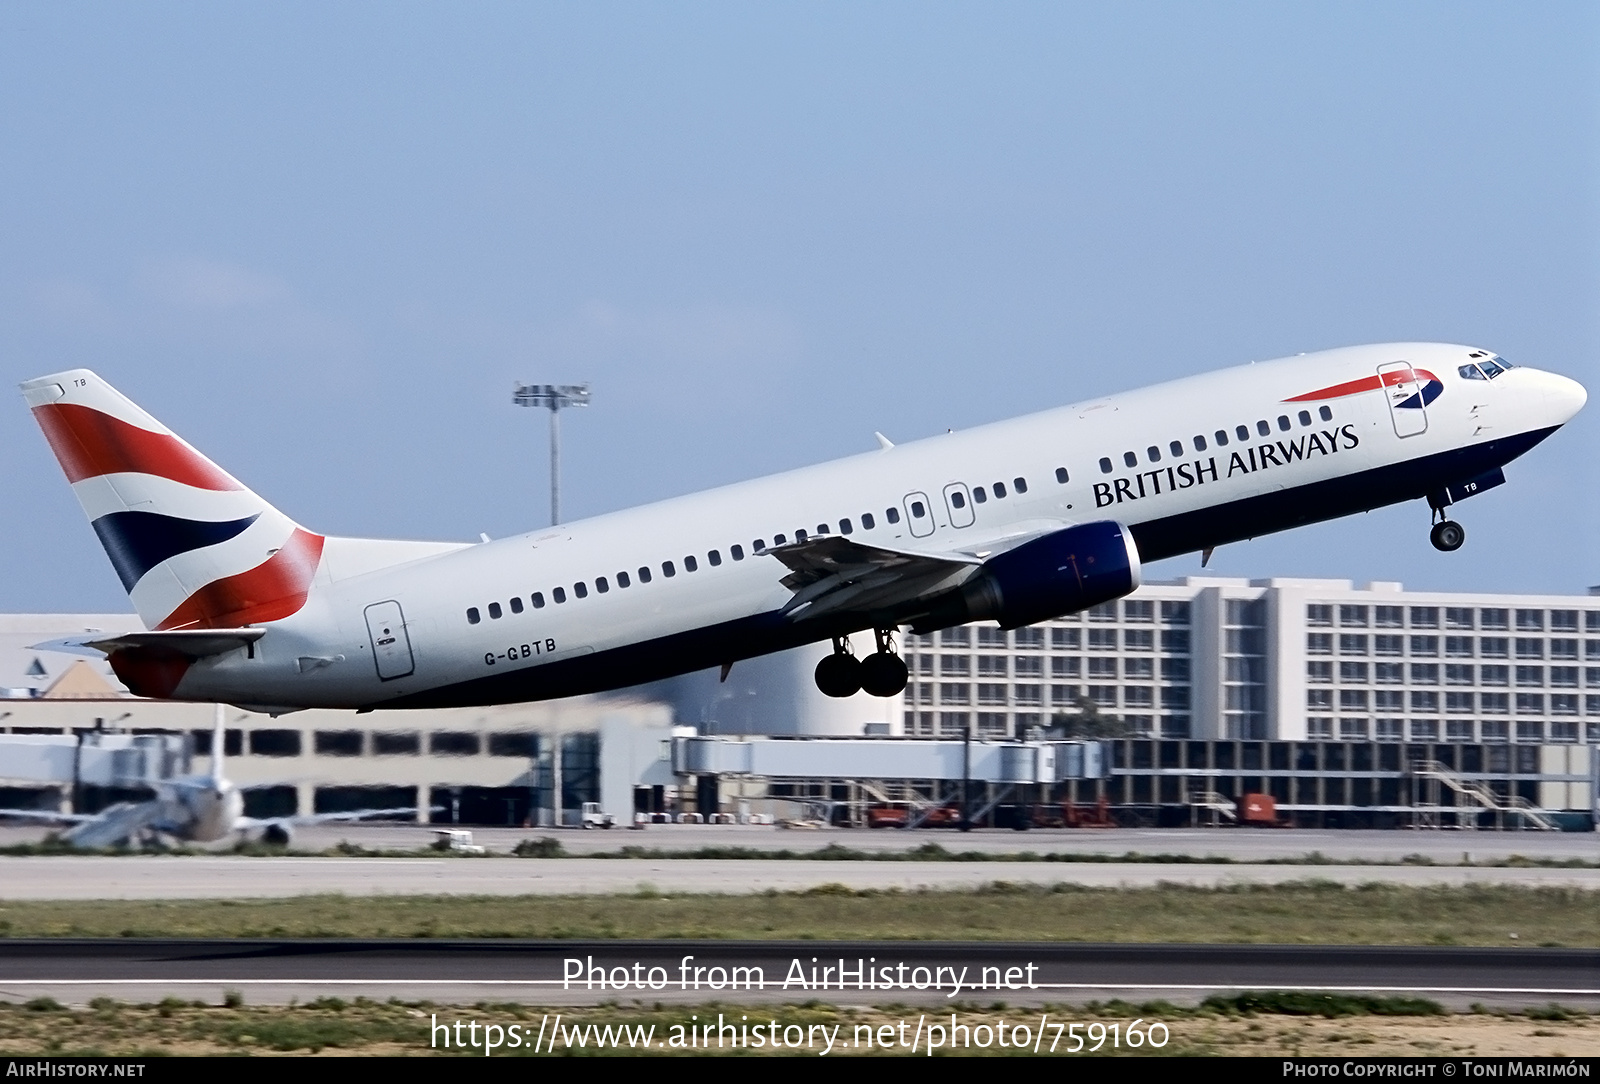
(1490, 369)
(1471, 372)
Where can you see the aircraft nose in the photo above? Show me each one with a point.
(1564, 396)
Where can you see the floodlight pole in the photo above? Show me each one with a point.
(553, 396)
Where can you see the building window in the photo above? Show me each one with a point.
(1352, 644)
(951, 692)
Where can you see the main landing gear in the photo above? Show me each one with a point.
(883, 673)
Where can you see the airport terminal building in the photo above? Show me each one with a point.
(1280, 659)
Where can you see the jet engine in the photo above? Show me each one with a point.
(1060, 573)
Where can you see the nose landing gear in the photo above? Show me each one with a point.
(883, 673)
(1447, 535)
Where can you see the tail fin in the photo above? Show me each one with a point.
(193, 547)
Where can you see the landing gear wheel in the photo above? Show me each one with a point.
(883, 674)
(840, 673)
(1447, 535)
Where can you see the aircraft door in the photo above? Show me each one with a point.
(958, 502)
(1404, 392)
(919, 515)
(391, 645)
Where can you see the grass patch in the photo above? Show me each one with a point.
(1305, 912)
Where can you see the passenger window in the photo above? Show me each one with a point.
(892, 515)
(715, 558)
(844, 527)
(1176, 448)
(917, 511)
(1021, 484)
(668, 570)
(957, 500)
(1129, 459)
(1305, 417)
(999, 489)
(559, 594)
(516, 605)
(473, 617)
(979, 496)
(580, 589)
(1263, 428)
(1061, 475)
(867, 522)
(1105, 465)
(623, 581)
(538, 600)
(1153, 454)
(1222, 438)
(1283, 423)
(1242, 432)
(494, 611)
(737, 551)
(644, 573)
(601, 585)
(690, 564)
(1325, 413)
(1199, 443)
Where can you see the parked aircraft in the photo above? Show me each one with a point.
(189, 809)
(1015, 522)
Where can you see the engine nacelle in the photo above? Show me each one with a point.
(1058, 574)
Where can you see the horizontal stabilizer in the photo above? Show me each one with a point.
(188, 643)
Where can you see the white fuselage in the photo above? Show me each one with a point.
(403, 634)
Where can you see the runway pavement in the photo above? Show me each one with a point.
(236, 877)
(576, 972)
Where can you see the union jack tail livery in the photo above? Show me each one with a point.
(193, 546)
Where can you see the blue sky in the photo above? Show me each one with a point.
(321, 241)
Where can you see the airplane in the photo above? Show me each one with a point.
(189, 809)
(1014, 522)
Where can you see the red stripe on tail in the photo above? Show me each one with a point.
(272, 590)
(90, 443)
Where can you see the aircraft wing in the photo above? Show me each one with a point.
(115, 824)
(190, 643)
(45, 815)
(832, 575)
(245, 823)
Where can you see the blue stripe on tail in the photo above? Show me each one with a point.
(136, 542)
